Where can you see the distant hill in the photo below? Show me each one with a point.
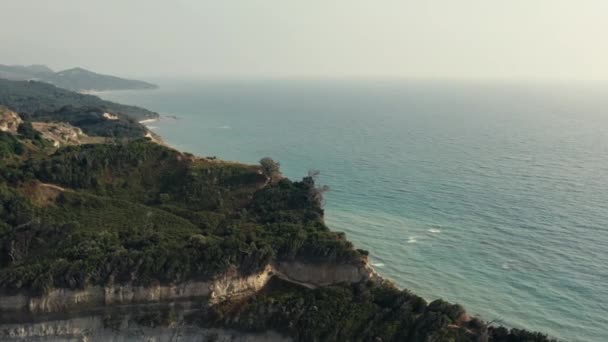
(20, 72)
(79, 79)
(30, 97)
(76, 79)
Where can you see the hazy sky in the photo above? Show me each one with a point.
(471, 39)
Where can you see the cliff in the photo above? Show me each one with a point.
(226, 286)
(77, 314)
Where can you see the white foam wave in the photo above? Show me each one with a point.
(412, 239)
(377, 264)
(434, 231)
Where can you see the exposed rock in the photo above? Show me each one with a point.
(315, 275)
(9, 120)
(110, 116)
(229, 285)
(155, 138)
(60, 133)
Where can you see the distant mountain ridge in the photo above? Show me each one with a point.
(75, 79)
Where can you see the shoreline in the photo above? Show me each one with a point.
(98, 91)
(145, 121)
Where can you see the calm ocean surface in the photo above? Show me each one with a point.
(494, 196)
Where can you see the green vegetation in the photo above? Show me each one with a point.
(29, 97)
(9, 146)
(143, 213)
(92, 122)
(23, 72)
(40, 102)
(270, 168)
(357, 312)
(27, 131)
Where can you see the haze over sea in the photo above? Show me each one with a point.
(491, 195)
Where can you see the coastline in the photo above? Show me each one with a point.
(372, 266)
(212, 129)
(98, 92)
(143, 122)
(331, 247)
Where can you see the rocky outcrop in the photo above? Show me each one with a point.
(60, 133)
(9, 120)
(231, 284)
(74, 319)
(110, 116)
(228, 285)
(323, 274)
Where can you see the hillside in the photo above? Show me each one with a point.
(75, 79)
(30, 97)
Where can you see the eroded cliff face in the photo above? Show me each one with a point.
(227, 286)
(9, 120)
(45, 315)
(323, 274)
(60, 133)
(232, 285)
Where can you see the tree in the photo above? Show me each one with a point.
(270, 168)
(27, 131)
(315, 192)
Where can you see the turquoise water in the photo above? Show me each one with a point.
(494, 196)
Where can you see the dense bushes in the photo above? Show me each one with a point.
(27, 131)
(143, 213)
(356, 312)
(349, 312)
(135, 171)
(9, 145)
(104, 241)
(149, 173)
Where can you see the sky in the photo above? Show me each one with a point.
(435, 39)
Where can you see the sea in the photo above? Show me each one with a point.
(493, 195)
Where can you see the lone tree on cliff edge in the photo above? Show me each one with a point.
(315, 192)
(270, 168)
